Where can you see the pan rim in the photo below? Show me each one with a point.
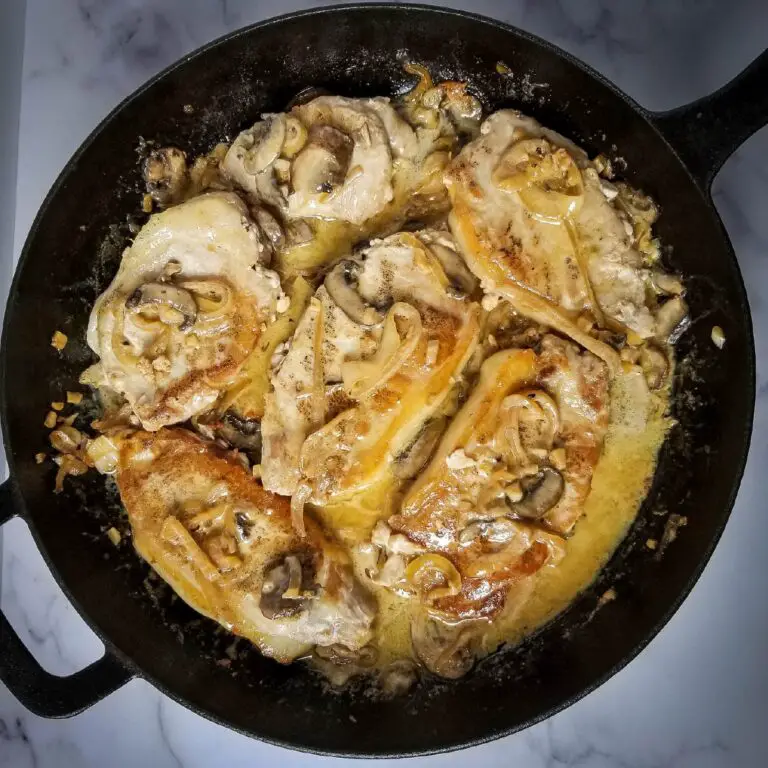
(13, 298)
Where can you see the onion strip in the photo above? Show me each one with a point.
(542, 402)
(121, 347)
(299, 499)
(425, 567)
(293, 591)
(543, 311)
(581, 261)
(318, 368)
(364, 376)
(209, 305)
(510, 419)
(174, 533)
(425, 81)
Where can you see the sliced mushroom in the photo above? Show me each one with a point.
(166, 295)
(444, 649)
(287, 587)
(457, 271)
(295, 136)
(263, 143)
(510, 329)
(499, 531)
(542, 491)
(655, 366)
(341, 284)
(338, 675)
(415, 457)
(269, 226)
(670, 317)
(244, 524)
(323, 162)
(471, 533)
(298, 232)
(462, 108)
(240, 433)
(391, 572)
(166, 175)
(170, 270)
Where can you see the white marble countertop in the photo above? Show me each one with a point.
(697, 696)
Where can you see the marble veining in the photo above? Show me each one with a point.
(696, 697)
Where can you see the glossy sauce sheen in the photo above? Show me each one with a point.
(619, 485)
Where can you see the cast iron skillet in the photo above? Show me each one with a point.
(73, 250)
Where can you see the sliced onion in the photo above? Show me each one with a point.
(68, 465)
(426, 570)
(581, 260)
(66, 439)
(293, 590)
(542, 403)
(175, 534)
(508, 435)
(147, 324)
(208, 517)
(549, 206)
(299, 499)
(425, 81)
(360, 377)
(121, 347)
(213, 297)
(548, 181)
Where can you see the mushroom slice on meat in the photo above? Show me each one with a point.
(388, 334)
(532, 218)
(180, 304)
(321, 165)
(344, 171)
(348, 169)
(541, 492)
(250, 161)
(185, 309)
(511, 474)
(341, 285)
(227, 548)
(166, 175)
(444, 649)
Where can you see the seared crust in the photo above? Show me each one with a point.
(213, 533)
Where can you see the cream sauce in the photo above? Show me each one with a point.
(621, 480)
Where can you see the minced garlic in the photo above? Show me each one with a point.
(59, 340)
(718, 337)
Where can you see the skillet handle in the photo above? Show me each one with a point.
(706, 132)
(39, 691)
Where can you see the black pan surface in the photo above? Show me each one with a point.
(74, 249)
